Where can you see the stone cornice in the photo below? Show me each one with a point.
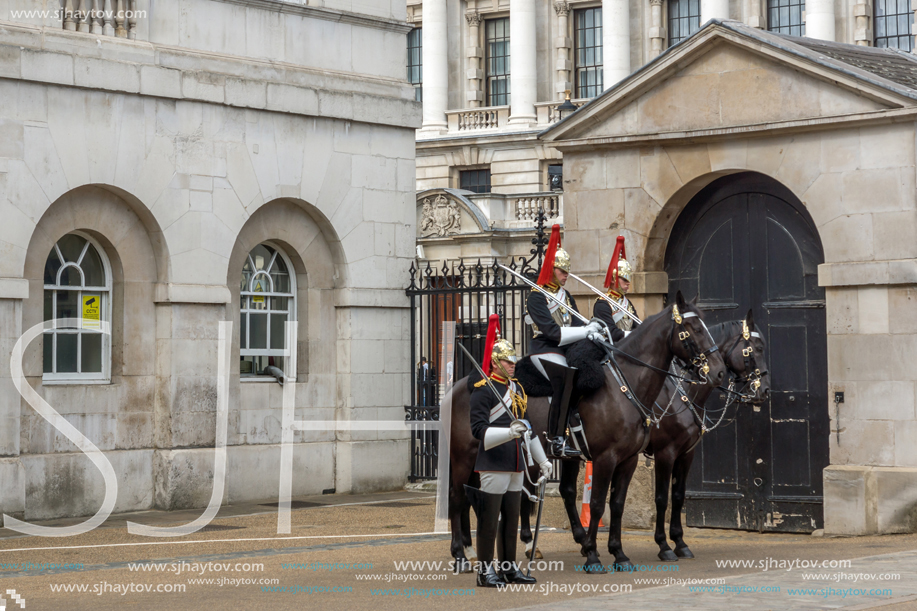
(327, 14)
(865, 273)
(752, 131)
(86, 61)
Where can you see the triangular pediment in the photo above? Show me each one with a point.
(721, 80)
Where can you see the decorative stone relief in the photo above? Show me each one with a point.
(441, 216)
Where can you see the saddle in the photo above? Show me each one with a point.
(584, 355)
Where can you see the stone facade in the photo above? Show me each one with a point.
(464, 131)
(219, 126)
(844, 144)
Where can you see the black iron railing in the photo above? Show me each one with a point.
(465, 292)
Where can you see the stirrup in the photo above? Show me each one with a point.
(560, 449)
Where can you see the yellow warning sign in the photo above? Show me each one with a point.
(92, 311)
(258, 299)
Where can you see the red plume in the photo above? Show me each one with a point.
(612, 275)
(493, 330)
(547, 268)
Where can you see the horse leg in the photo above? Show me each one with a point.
(663, 473)
(459, 518)
(620, 482)
(602, 469)
(569, 472)
(679, 485)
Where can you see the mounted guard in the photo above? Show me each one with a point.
(617, 283)
(554, 329)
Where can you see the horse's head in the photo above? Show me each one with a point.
(693, 344)
(744, 356)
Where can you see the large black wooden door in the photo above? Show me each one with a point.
(747, 242)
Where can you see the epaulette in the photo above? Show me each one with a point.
(480, 383)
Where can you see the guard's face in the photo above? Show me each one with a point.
(509, 368)
(623, 285)
(560, 276)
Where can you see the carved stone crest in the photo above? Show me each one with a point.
(440, 216)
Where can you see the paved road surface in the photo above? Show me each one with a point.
(343, 550)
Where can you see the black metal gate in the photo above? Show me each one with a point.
(465, 292)
(747, 242)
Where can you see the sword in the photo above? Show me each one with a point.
(610, 301)
(542, 483)
(546, 294)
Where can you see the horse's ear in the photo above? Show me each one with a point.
(750, 319)
(680, 301)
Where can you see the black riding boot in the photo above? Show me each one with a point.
(486, 537)
(507, 537)
(563, 383)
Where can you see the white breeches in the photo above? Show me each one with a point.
(498, 482)
(548, 356)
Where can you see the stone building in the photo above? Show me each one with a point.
(188, 164)
(758, 170)
(492, 73)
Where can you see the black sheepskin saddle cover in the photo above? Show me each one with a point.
(584, 355)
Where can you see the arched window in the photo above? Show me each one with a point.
(77, 285)
(268, 301)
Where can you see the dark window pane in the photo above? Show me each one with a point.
(684, 19)
(498, 64)
(892, 23)
(66, 352)
(49, 305)
(47, 341)
(68, 305)
(257, 335)
(415, 57)
(92, 267)
(70, 276)
(51, 266)
(91, 353)
(243, 332)
(278, 331)
(477, 181)
(71, 246)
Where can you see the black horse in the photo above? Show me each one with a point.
(615, 428)
(673, 440)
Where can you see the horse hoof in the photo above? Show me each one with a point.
(470, 553)
(528, 553)
(462, 565)
(594, 569)
(668, 555)
(684, 553)
(625, 567)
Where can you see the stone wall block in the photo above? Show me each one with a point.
(845, 493)
(905, 448)
(873, 309)
(47, 67)
(12, 487)
(896, 500)
(842, 310)
(894, 234)
(10, 61)
(366, 459)
(848, 238)
(103, 74)
(902, 303)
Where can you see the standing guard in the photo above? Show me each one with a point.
(617, 281)
(499, 424)
(554, 328)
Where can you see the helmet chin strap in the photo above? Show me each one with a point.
(498, 365)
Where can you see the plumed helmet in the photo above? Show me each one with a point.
(624, 270)
(503, 350)
(562, 260)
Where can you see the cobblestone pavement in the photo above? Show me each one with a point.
(349, 552)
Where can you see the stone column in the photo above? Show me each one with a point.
(562, 46)
(713, 9)
(657, 29)
(615, 40)
(820, 19)
(523, 75)
(755, 18)
(474, 94)
(435, 66)
(862, 12)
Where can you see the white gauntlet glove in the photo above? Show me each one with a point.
(546, 469)
(517, 428)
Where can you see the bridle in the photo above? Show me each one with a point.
(698, 361)
(750, 380)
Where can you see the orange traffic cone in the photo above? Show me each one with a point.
(586, 514)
